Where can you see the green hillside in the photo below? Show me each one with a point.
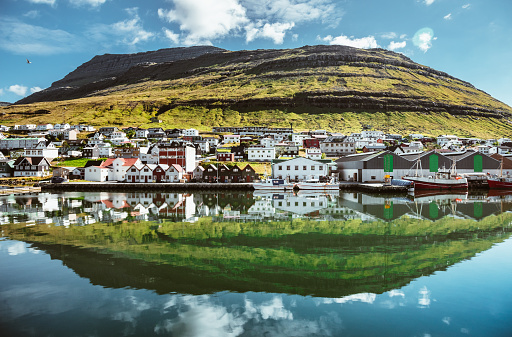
(321, 87)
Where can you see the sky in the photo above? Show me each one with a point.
(468, 39)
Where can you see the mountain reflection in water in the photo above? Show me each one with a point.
(318, 244)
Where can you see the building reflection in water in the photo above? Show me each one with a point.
(78, 208)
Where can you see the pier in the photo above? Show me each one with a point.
(20, 190)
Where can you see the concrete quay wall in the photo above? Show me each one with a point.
(150, 187)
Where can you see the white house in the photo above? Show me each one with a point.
(190, 133)
(118, 167)
(174, 173)
(44, 127)
(203, 145)
(20, 143)
(269, 142)
(337, 146)
(63, 126)
(372, 134)
(503, 140)
(97, 139)
(231, 139)
(313, 153)
(298, 138)
(118, 138)
(212, 140)
(96, 173)
(261, 153)
(484, 149)
(105, 150)
(299, 168)
(445, 139)
(49, 151)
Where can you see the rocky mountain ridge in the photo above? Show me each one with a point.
(339, 78)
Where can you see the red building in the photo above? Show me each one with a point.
(225, 156)
(311, 142)
(183, 155)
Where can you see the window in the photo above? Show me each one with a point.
(288, 168)
(304, 168)
(312, 167)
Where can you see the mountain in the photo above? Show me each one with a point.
(333, 87)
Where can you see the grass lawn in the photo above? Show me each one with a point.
(73, 162)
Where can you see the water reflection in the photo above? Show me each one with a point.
(318, 244)
(102, 207)
(262, 264)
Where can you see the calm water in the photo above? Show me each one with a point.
(238, 264)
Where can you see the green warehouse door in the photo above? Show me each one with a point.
(478, 163)
(388, 163)
(433, 163)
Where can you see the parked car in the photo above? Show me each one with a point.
(57, 180)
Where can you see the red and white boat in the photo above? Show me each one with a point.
(500, 181)
(442, 180)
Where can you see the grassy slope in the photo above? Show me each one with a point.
(135, 104)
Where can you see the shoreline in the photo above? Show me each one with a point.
(129, 187)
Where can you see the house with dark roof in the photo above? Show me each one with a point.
(31, 167)
(6, 168)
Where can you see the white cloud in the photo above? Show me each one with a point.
(275, 31)
(128, 32)
(1, 91)
(466, 6)
(297, 11)
(35, 89)
(390, 35)
(365, 42)
(44, 2)
(423, 39)
(395, 293)
(21, 38)
(424, 298)
(31, 14)
(397, 45)
(361, 297)
(429, 2)
(19, 90)
(206, 20)
(448, 16)
(175, 38)
(92, 3)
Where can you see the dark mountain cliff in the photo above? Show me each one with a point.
(339, 78)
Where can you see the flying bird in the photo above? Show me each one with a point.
(28, 61)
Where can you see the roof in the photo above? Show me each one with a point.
(361, 156)
(282, 160)
(126, 161)
(178, 167)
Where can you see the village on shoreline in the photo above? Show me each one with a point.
(234, 155)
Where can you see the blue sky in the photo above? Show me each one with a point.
(469, 39)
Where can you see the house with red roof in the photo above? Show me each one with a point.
(174, 173)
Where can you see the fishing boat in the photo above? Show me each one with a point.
(315, 184)
(500, 181)
(273, 184)
(442, 180)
